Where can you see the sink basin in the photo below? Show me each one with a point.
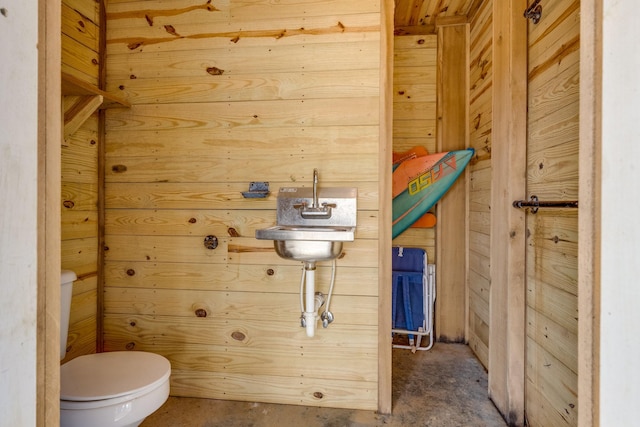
(308, 250)
(296, 232)
(308, 244)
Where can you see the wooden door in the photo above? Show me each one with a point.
(552, 234)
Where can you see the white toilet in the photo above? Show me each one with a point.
(112, 389)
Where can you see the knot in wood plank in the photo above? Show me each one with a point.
(238, 336)
(215, 71)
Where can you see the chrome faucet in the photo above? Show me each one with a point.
(315, 211)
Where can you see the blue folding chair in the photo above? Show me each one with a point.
(413, 296)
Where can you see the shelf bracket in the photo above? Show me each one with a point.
(82, 108)
(87, 99)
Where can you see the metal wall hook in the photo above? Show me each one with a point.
(534, 12)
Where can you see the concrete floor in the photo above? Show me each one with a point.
(443, 387)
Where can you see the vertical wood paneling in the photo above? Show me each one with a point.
(552, 265)
(480, 135)
(224, 94)
(80, 188)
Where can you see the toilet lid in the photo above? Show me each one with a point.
(113, 374)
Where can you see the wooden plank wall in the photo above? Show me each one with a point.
(224, 93)
(414, 113)
(552, 314)
(480, 134)
(80, 187)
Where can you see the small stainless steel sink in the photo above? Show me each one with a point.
(311, 226)
(309, 244)
(312, 223)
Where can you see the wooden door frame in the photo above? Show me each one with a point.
(49, 226)
(384, 207)
(508, 246)
(589, 219)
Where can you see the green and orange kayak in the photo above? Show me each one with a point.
(418, 184)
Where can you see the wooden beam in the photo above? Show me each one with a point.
(446, 21)
(384, 217)
(415, 30)
(588, 220)
(451, 229)
(49, 136)
(102, 82)
(507, 295)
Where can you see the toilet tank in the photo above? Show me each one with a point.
(67, 278)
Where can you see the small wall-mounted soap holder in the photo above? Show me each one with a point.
(257, 190)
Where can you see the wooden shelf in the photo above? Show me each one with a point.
(74, 86)
(90, 99)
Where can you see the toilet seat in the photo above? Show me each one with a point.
(102, 379)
